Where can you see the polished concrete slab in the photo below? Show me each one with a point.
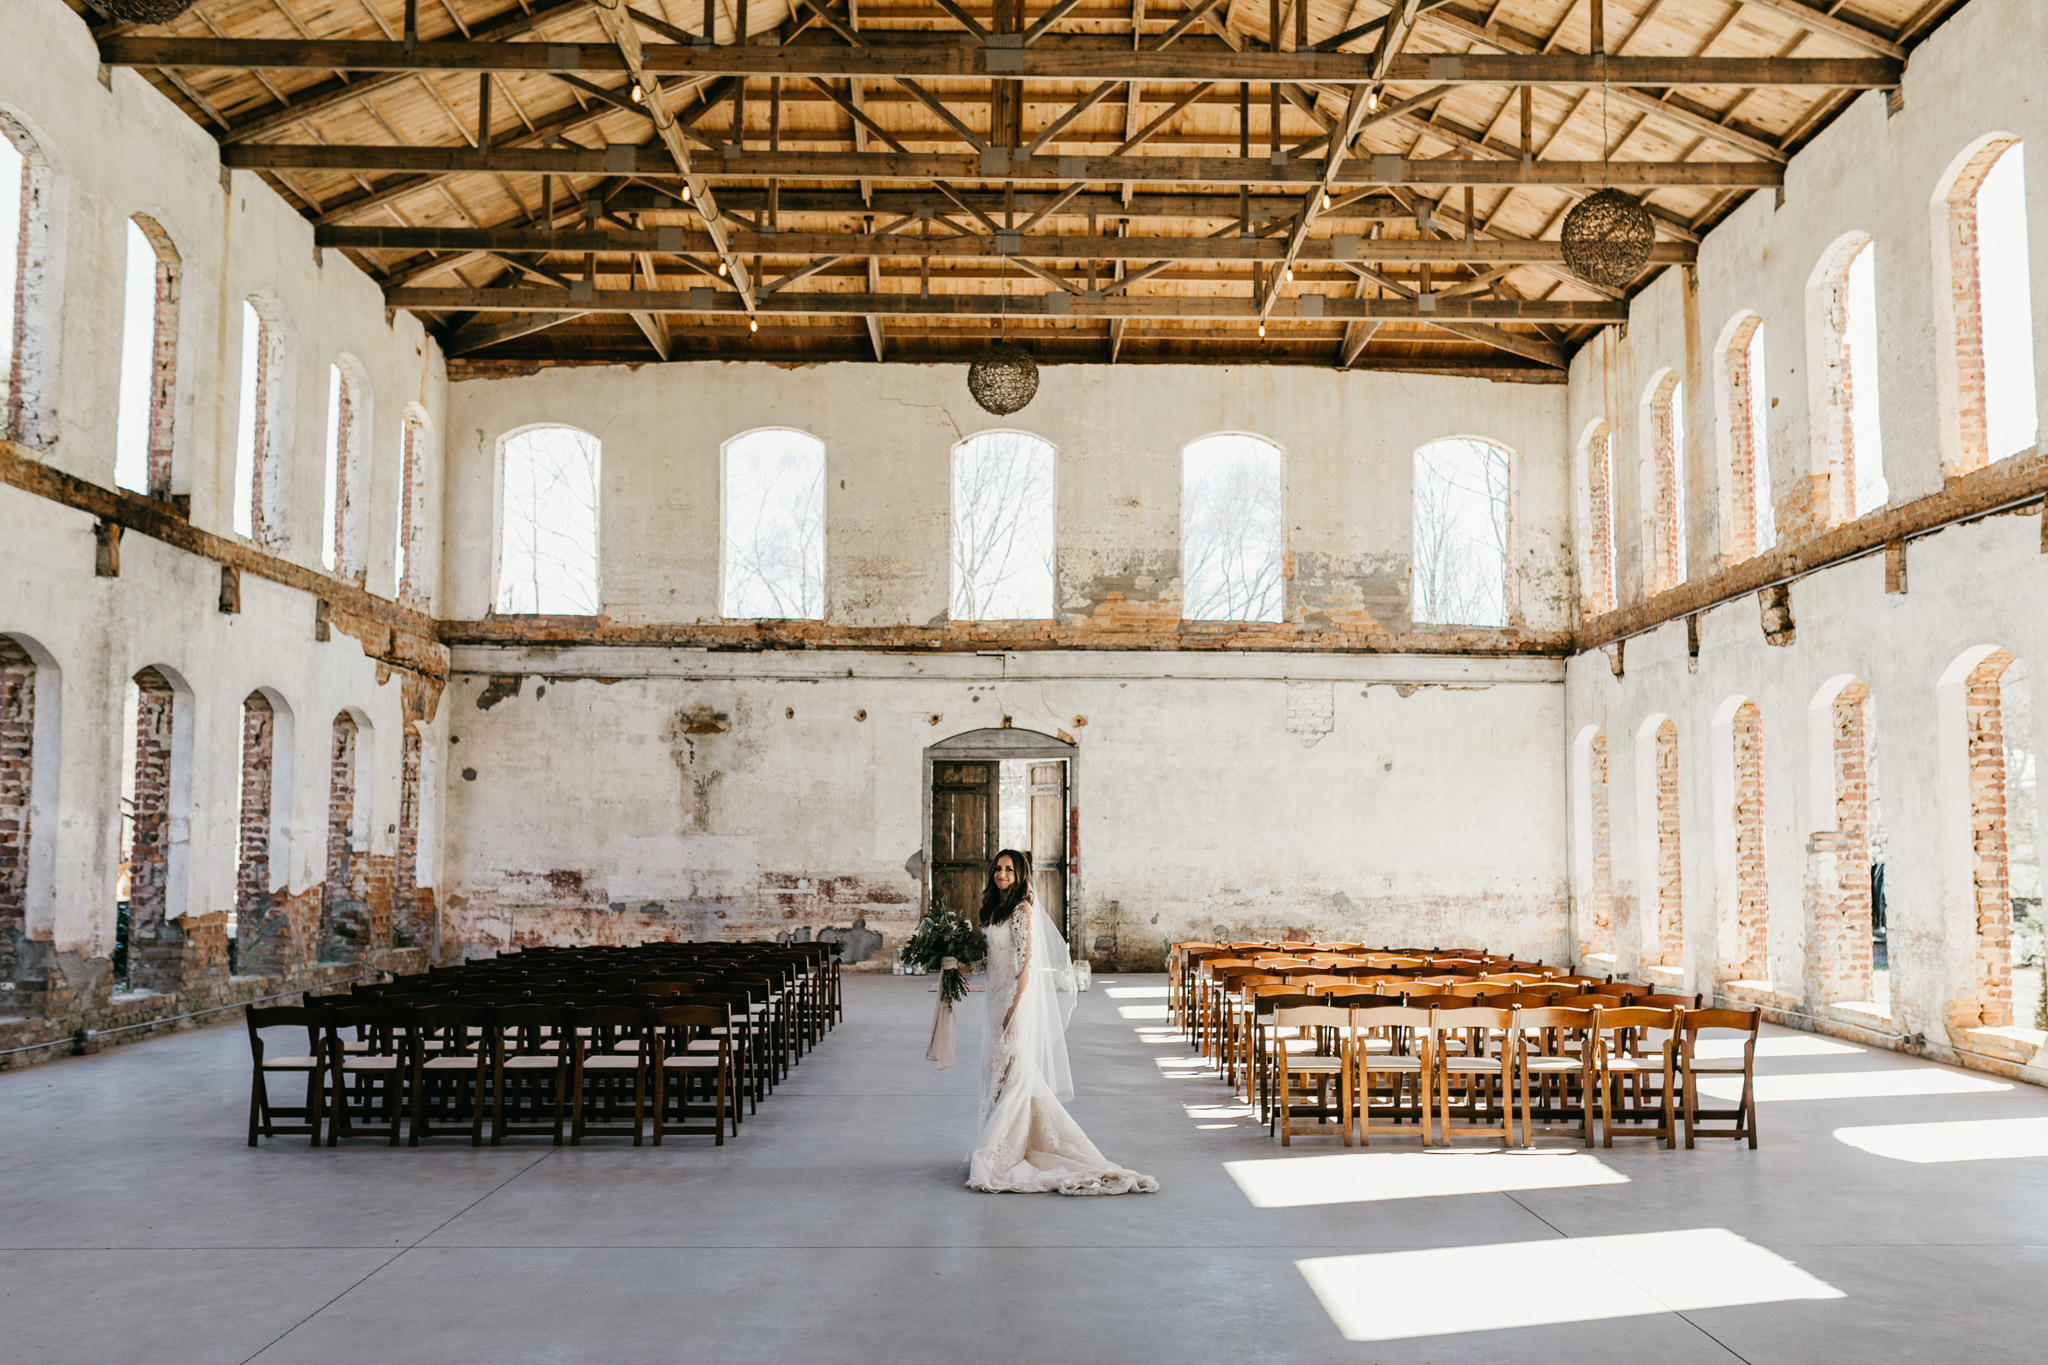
(1896, 1211)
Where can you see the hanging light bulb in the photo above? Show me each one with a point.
(753, 324)
(1287, 275)
(1262, 329)
(686, 191)
(721, 270)
(1326, 199)
(639, 95)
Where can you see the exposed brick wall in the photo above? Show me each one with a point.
(1670, 902)
(1744, 390)
(1966, 308)
(1845, 930)
(1600, 516)
(344, 474)
(262, 459)
(154, 951)
(1841, 502)
(252, 851)
(412, 906)
(1750, 960)
(409, 510)
(343, 912)
(163, 369)
(1600, 935)
(17, 769)
(1666, 568)
(1984, 714)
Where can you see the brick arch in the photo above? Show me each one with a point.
(1742, 877)
(263, 470)
(1661, 487)
(158, 843)
(347, 468)
(355, 904)
(1660, 869)
(1961, 389)
(416, 438)
(31, 315)
(1741, 400)
(1841, 725)
(162, 435)
(1973, 713)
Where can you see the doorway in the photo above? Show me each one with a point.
(988, 790)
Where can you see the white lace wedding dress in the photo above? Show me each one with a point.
(1029, 1144)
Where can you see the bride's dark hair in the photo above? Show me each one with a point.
(998, 905)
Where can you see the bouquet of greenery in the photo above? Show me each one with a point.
(946, 943)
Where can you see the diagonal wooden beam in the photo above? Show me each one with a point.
(478, 335)
(1828, 26)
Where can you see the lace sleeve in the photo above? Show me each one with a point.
(1020, 939)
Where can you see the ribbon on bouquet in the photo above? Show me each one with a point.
(945, 1029)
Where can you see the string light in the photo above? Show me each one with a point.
(1262, 329)
(753, 324)
(1287, 275)
(1326, 199)
(721, 270)
(639, 95)
(686, 191)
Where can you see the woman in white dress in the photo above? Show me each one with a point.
(1029, 1144)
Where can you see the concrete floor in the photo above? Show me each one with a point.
(138, 1225)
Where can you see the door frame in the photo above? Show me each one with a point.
(994, 746)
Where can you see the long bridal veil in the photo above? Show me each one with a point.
(1046, 1005)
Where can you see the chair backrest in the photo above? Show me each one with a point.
(1516, 978)
(383, 1027)
(1692, 1023)
(1359, 1000)
(1283, 997)
(457, 1026)
(1637, 1020)
(1478, 989)
(1523, 1000)
(311, 1018)
(671, 1019)
(1420, 1018)
(1553, 1016)
(1474, 1017)
(1445, 979)
(1593, 1001)
(1311, 1016)
(1319, 981)
(1666, 1002)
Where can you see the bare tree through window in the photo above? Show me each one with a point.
(1230, 543)
(1461, 533)
(547, 561)
(2011, 417)
(14, 201)
(775, 526)
(1003, 527)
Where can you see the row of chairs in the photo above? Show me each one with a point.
(1444, 1071)
(566, 1042)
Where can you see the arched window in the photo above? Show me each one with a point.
(262, 429)
(1747, 524)
(344, 912)
(1843, 291)
(1991, 360)
(1230, 541)
(348, 467)
(261, 923)
(1598, 451)
(1989, 821)
(547, 522)
(775, 526)
(1659, 861)
(1664, 482)
(1460, 556)
(27, 283)
(148, 411)
(1739, 838)
(1849, 929)
(412, 454)
(1003, 520)
(156, 796)
(1592, 845)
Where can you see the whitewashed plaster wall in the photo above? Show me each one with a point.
(1877, 172)
(116, 149)
(888, 430)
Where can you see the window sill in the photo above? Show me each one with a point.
(2009, 1043)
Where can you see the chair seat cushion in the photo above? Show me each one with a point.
(1315, 1064)
(1475, 1066)
(605, 1061)
(690, 1060)
(1636, 1065)
(292, 1063)
(1557, 1064)
(453, 1062)
(528, 1061)
(1380, 1063)
(370, 1064)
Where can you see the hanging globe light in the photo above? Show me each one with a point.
(142, 11)
(1003, 378)
(1607, 239)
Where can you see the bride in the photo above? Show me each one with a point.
(1029, 1143)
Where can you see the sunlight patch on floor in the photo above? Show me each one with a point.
(1368, 1177)
(1958, 1140)
(1890, 1083)
(1135, 992)
(1386, 1296)
(1142, 1011)
(1803, 1045)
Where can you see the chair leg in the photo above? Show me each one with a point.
(1286, 1129)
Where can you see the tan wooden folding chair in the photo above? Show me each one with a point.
(1475, 1047)
(1331, 1061)
(1553, 1057)
(1742, 1118)
(1634, 1071)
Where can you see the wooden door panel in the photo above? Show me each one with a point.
(1049, 839)
(963, 833)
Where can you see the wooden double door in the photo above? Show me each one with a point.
(966, 833)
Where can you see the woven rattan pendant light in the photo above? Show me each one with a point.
(142, 11)
(1608, 235)
(1004, 377)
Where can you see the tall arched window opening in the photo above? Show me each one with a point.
(405, 568)
(1595, 848)
(252, 843)
(1993, 332)
(1850, 928)
(1659, 862)
(1599, 455)
(1748, 958)
(27, 283)
(2003, 830)
(261, 429)
(345, 928)
(1460, 552)
(17, 782)
(156, 786)
(1003, 527)
(1749, 525)
(547, 523)
(1664, 428)
(412, 908)
(1843, 388)
(347, 468)
(1230, 530)
(148, 397)
(775, 526)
